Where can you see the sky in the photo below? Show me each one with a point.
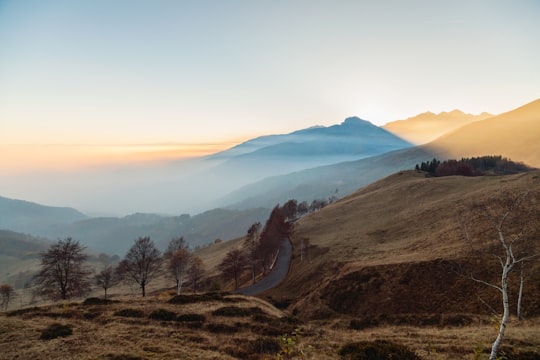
(90, 82)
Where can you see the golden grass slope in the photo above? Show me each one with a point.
(428, 126)
(405, 223)
(514, 134)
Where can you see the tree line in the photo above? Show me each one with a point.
(475, 166)
(65, 273)
(260, 248)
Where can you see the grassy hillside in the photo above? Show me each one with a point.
(396, 248)
(385, 263)
(19, 257)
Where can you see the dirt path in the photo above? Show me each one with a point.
(278, 274)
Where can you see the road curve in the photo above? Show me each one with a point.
(276, 276)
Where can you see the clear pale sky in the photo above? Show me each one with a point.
(89, 79)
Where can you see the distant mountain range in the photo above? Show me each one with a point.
(514, 134)
(308, 164)
(273, 155)
(428, 126)
(27, 217)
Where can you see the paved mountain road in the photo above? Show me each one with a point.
(276, 276)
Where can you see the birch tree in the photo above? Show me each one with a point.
(177, 259)
(511, 222)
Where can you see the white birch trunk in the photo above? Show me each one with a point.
(520, 296)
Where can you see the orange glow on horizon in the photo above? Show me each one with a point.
(31, 158)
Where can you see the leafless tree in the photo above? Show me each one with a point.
(106, 278)
(251, 247)
(7, 292)
(195, 271)
(141, 263)
(177, 258)
(510, 221)
(303, 208)
(304, 249)
(233, 265)
(63, 273)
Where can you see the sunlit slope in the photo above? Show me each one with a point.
(428, 126)
(398, 224)
(514, 134)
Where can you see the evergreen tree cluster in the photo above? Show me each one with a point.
(475, 166)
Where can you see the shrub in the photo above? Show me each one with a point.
(56, 330)
(97, 301)
(233, 311)
(196, 298)
(191, 318)
(222, 328)
(162, 314)
(378, 350)
(134, 313)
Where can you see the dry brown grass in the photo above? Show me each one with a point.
(100, 334)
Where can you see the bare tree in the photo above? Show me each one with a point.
(304, 249)
(7, 292)
(63, 272)
(177, 258)
(106, 278)
(303, 208)
(195, 271)
(233, 265)
(141, 263)
(251, 246)
(511, 222)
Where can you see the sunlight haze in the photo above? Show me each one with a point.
(84, 83)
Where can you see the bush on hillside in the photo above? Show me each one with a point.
(162, 314)
(56, 330)
(134, 313)
(235, 311)
(222, 328)
(191, 318)
(97, 301)
(196, 298)
(377, 350)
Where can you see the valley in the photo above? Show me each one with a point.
(393, 256)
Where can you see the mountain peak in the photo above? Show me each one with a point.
(354, 120)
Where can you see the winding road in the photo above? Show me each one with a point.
(276, 276)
